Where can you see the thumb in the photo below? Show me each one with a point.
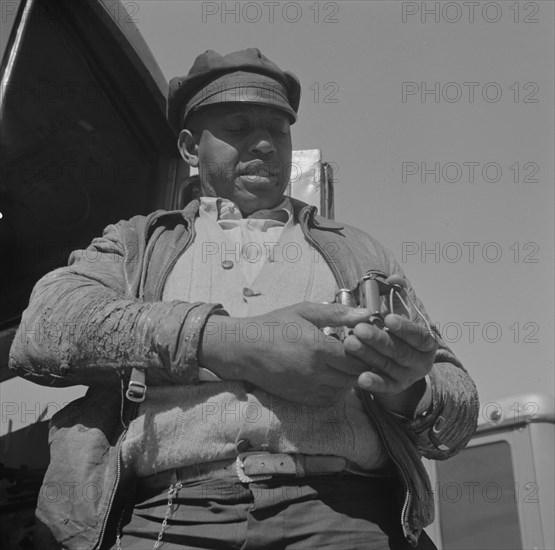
(334, 315)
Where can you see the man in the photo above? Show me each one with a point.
(219, 413)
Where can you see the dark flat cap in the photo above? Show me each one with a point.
(245, 76)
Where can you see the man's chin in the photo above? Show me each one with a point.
(258, 196)
(249, 203)
(258, 184)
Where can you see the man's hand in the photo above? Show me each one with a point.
(284, 352)
(397, 360)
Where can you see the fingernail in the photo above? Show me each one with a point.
(366, 383)
(360, 311)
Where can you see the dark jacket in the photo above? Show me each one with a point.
(95, 320)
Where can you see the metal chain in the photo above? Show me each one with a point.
(172, 492)
(118, 532)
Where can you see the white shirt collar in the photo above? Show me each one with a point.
(219, 209)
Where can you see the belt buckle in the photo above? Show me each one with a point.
(136, 391)
(240, 468)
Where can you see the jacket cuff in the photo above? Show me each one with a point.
(451, 422)
(178, 345)
(193, 329)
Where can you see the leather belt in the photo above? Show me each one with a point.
(249, 467)
(258, 466)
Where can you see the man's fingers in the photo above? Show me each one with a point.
(380, 346)
(371, 356)
(387, 368)
(332, 315)
(399, 362)
(378, 363)
(348, 365)
(377, 383)
(416, 335)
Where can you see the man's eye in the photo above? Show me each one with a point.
(237, 129)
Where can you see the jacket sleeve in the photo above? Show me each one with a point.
(451, 420)
(85, 324)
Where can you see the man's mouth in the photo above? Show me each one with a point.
(260, 170)
(258, 183)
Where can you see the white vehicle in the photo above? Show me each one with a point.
(499, 492)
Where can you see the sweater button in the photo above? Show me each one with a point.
(249, 292)
(227, 264)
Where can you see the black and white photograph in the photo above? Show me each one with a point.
(277, 275)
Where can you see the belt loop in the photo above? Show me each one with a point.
(300, 465)
(242, 445)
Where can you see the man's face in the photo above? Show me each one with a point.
(244, 153)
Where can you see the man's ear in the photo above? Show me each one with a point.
(188, 148)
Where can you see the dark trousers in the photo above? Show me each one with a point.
(339, 512)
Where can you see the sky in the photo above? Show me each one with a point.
(477, 244)
(439, 122)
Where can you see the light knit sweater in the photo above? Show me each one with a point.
(183, 425)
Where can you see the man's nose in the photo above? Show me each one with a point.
(262, 143)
